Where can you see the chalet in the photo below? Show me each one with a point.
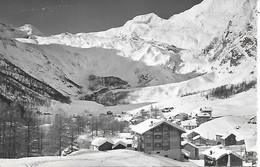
(192, 150)
(101, 144)
(218, 156)
(160, 137)
(119, 145)
(226, 139)
(199, 140)
(189, 136)
(126, 138)
(202, 117)
(189, 124)
(181, 116)
(206, 110)
(128, 143)
(218, 138)
(252, 120)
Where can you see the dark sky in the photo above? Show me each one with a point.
(57, 16)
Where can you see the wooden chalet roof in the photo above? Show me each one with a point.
(152, 123)
(100, 140)
(183, 143)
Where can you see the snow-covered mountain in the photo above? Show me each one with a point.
(148, 59)
(30, 30)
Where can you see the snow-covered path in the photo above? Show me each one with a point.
(95, 158)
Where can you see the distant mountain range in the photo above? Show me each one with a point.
(148, 59)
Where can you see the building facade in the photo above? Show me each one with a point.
(199, 140)
(189, 124)
(206, 110)
(192, 149)
(202, 117)
(227, 140)
(158, 137)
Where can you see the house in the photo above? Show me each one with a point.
(206, 110)
(129, 143)
(199, 140)
(189, 124)
(119, 145)
(189, 136)
(202, 117)
(253, 120)
(160, 137)
(192, 150)
(126, 138)
(101, 144)
(226, 139)
(181, 116)
(218, 138)
(218, 156)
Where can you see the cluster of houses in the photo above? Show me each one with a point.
(124, 141)
(189, 122)
(169, 139)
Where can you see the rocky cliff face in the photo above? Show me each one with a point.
(17, 85)
(110, 82)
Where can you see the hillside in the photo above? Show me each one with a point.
(86, 158)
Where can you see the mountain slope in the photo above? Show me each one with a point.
(148, 59)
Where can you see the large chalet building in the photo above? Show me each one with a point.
(160, 137)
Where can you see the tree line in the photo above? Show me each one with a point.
(24, 132)
(226, 91)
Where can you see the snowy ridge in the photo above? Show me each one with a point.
(30, 30)
(202, 48)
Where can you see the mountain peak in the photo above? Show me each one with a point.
(150, 18)
(30, 30)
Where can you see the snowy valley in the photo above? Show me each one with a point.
(148, 68)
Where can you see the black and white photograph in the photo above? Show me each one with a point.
(86, 83)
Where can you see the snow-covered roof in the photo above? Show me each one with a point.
(125, 135)
(100, 140)
(191, 122)
(203, 115)
(217, 152)
(224, 136)
(152, 123)
(183, 143)
(127, 141)
(185, 152)
(119, 142)
(188, 132)
(181, 114)
(206, 109)
(197, 137)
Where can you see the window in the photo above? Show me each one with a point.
(158, 136)
(157, 129)
(158, 144)
(148, 136)
(148, 144)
